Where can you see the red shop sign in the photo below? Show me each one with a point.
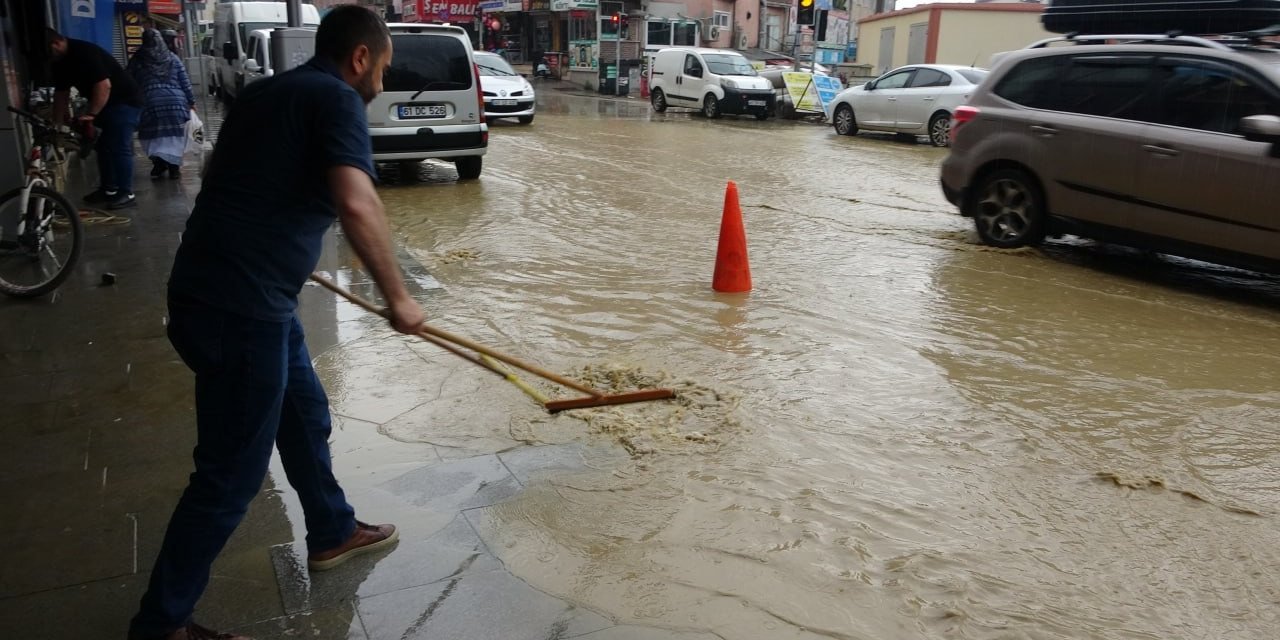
(449, 10)
(165, 7)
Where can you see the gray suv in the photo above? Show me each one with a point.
(1168, 143)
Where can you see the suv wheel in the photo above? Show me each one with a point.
(469, 167)
(658, 100)
(940, 129)
(710, 106)
(1008, 209)
(844, 121)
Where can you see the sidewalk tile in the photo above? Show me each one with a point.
(488, 606)
(413, 562)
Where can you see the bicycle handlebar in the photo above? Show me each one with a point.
(33, 118)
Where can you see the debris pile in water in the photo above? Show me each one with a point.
(1154, 482)
(459, 255)
(698, 415)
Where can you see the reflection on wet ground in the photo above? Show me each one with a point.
(928, 438)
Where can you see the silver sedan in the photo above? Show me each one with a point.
(915, 100)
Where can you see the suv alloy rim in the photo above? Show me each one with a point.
(1003, 210)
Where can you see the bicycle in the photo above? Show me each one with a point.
(40, 230)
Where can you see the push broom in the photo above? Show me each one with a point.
(486, 357)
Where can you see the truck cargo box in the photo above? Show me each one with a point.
(1191, 17)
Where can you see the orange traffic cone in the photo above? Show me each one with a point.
(733, 273)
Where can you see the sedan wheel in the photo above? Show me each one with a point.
(940, 129)
(844, 122)
(1009, 211)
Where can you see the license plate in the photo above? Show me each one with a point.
(504, 103)
(423, 111)
(755, 103)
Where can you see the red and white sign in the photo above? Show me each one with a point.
(165, 7)
(442, 11)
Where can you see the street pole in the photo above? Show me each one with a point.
(293, 9)
(617, 81)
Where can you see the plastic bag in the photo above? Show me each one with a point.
(197, 145)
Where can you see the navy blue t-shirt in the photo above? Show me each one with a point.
(257, 228)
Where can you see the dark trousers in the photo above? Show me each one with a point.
(118, 123)
(255, 390)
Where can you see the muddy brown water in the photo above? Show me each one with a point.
(908, 435)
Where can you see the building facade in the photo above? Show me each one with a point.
(963, 34)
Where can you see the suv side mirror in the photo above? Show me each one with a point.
(229, 51)
(252, 66)
(871, 86)
(1261, 128)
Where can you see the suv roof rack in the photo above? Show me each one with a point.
(1224, 42)
(1173, 37)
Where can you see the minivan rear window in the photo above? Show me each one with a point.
(427, 62)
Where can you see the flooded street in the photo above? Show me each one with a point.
(897, 434)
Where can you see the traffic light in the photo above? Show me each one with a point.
(623, 19)
(805, 14)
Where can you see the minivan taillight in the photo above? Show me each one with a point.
(475, 68)
(961, 116)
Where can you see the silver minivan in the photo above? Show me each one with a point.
(1165, 142)
(430, 105)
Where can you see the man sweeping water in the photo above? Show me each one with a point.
(293, 154)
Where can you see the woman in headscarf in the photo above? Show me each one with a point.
(168, 99)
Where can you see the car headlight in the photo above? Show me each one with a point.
(728, 84)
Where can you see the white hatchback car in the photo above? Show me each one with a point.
(507, 94)
(915, 100)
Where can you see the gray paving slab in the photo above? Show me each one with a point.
(103, 544)
(530, 463)
(457, 485)
(339, 622)
(629, 632)
(414, 561)
(487, 606)
(97, 610)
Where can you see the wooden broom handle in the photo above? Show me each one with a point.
(459, 340)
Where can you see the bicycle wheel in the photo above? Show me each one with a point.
(37, 260)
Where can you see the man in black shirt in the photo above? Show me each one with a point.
(115, 103)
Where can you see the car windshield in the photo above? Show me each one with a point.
(723, 64)
(494, 66)
(425, 62)
(975, 76)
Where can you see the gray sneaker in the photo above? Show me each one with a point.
(99, 196)
(122, 201)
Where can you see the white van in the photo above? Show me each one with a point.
(257, 63)
(431, 104)
(717, 81)
(233, 22)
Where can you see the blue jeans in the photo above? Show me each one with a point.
(255, 390)
(118, 123)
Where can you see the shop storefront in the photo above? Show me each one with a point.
(462, 13)
(583, 35)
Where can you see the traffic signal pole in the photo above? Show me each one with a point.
(617, 80)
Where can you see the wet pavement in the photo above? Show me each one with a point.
(897, 434)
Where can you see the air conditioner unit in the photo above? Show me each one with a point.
(742, 41)
(713, 33)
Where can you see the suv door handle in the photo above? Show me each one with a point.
(893, 99)
(1158, 150)
(1043, 131)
